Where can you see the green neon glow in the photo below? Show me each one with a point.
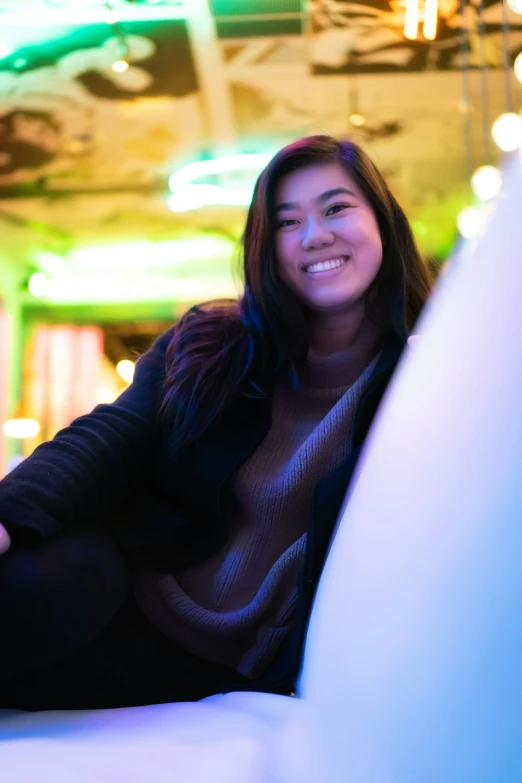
(92, 289)
(189, 194)
(49, 263)
(6, 49)
(123, 12)
(37, 284)
(183, 270)
(255, 7)
(136, 256)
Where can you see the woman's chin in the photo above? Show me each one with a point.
(332, 304)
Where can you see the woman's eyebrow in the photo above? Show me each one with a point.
(323, 197)
(287, 205)
(335, 192)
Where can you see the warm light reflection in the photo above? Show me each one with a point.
(120, 66)
(125, 370)
(518, 67)
(486, 182)
(21, 428)
(507, 131)
(469, 222)
(515, 5)
(63, 369)
(411, 21)
(357, 119)
(430, 19)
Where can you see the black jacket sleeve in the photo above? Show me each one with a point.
(64, 480)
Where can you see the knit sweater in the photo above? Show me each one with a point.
(236, 607)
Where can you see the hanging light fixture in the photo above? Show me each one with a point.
(431, 13)
(112, 19)
(411, 20)
(412, 16)
(356, 118)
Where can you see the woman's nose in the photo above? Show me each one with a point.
(316, 235)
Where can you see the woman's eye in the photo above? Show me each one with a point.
(336, 208)
(287, 222)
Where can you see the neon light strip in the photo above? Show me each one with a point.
(136, 256)
(411, 19)
(431, 12)
(188, 195)
(87, 290)
(61, 17)
(275, 17)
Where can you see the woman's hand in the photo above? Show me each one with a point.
(5, 541)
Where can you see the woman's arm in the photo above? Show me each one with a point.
(65, 478)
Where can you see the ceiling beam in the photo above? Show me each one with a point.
(213, 83)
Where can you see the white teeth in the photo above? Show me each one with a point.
(324, 266)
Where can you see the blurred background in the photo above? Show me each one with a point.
(132, 131)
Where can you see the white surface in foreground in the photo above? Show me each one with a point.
(413, 668)
(224, 739)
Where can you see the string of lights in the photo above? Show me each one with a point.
(506, 130)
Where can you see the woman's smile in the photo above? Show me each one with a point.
(325, 268)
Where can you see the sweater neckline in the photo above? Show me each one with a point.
(337, 370)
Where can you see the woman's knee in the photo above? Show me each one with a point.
(58, 596)
(89, 561)
(85, 560)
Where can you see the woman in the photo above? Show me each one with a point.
(168, 546)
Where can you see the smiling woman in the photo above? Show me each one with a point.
(220, 471)
(328, 245)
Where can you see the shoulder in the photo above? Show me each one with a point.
(202, 325)
(205, 326)
(152, 364)
(217, 312)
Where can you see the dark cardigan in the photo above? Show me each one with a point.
(114, 466)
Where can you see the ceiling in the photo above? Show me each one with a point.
(86, 152)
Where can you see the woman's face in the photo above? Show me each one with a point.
(328, 243)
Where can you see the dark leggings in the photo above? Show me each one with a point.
(72, 636)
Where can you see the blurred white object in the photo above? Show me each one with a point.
(486, 182)
(413, 665)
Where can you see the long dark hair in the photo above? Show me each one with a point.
(227, 349)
